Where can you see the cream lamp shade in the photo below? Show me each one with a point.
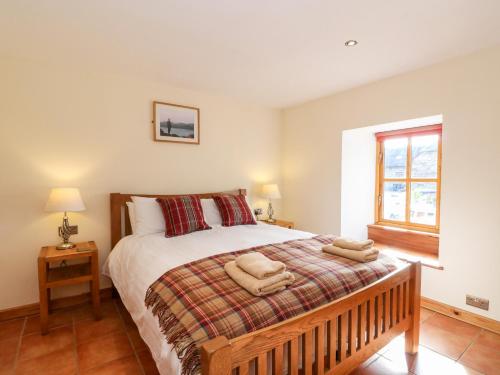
(271, 191)
(64, 199)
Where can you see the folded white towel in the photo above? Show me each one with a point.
(255, 286)
(347, 243)
(259, 266)
(357, 255)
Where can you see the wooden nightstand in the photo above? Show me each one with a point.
(52, 277)
(280, 223)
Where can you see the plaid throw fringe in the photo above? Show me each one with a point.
(198, 301)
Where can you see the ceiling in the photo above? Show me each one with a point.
(273, 52)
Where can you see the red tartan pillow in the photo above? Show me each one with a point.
(234, 210)
(182, 215)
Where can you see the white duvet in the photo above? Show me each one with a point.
(139, 260)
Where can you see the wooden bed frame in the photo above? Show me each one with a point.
(335, 338)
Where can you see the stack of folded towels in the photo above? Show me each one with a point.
(258, 274)
(361, 251)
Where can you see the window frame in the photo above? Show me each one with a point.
(379, 189)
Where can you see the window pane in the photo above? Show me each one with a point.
(424, 151)
(423, 203)
(395, 201)
(395, 158)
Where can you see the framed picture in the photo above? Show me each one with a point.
(176, 123)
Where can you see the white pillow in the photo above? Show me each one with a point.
(211, 212)
(148, 216)
(131, 216)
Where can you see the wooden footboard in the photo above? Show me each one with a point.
(332, 339)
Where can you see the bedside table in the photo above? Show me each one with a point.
(280, 223)
(52, 277)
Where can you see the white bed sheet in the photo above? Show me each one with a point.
(139, 260)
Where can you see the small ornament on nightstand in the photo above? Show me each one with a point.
(258, 212)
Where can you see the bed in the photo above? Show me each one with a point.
(331, 339)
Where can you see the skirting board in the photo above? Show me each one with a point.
(55, 304)
(463, 315)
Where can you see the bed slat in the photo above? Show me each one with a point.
(353, 331)
(319, 357)
(278, 360)
(332, 342)
(380, 316)
(343, 328)
(293, 355)
(387, 311)
(363, 326)
(244, 369)
(262, 364)
(400, 303)
(371, 320)
(307, 353)
(407, 299)
(392, 310)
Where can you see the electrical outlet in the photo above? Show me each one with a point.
(481, 303)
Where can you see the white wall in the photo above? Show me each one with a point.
(65, 127)
(466, 91)
(357, 182)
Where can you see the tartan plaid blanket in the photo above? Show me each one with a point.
(198, 301)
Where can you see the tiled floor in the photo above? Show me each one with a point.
(447, 346)
(76, 344)
(79, 345)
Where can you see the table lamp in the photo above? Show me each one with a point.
(65, 200)
(271, 191)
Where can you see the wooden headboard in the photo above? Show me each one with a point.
(120, 223)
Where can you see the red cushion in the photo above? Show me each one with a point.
(234, 210)
(182, 215)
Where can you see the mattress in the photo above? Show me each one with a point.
(139, 260)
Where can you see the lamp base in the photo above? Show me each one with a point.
(65, 246)
(270, 220)
(270, 213)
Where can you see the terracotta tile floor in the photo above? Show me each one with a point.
(447, 346)
(77, 344)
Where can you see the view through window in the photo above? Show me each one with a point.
(409, 178)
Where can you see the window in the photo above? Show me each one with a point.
(408, 185)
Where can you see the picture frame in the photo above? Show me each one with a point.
(176, 123)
